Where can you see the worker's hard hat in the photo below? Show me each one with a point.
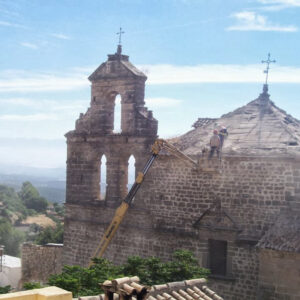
(216, 131)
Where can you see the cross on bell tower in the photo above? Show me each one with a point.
(119, 33)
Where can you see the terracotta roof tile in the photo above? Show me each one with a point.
(183, 290)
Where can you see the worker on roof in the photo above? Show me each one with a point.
(214, 144)
(223, 133)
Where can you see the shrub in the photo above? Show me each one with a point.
(85, 281)
(31, 285)
(5, 289)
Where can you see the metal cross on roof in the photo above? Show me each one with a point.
(268, 62)
(120, 35)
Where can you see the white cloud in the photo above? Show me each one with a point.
(85, 70)
(30, 118)
(29, 45)
(9, 24)
(41, 109)
(18, 101)
(251, 21)
(45, 104)
(61, 36)
(21, 81)
(170, 74)
(8, 13)
(281, 2)
(162, 102)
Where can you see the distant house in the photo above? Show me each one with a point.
(10, 271)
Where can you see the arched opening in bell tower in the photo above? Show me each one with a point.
(103, 181)
(131, 172)
(117, 115)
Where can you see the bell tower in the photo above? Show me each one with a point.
(94, 138)
(94, 134)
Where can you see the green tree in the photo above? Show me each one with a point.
(10, 237)
(184, 265)
(11, 202)
(85, 281)
(5, 289)
(31, 198)
(152, 270)
(51, 235)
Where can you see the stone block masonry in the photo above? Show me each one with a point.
(219, 213)
(171, 200)
(279, 275)
(39, 262)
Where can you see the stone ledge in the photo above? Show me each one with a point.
(52, 292)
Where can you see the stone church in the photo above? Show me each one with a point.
(239, 215)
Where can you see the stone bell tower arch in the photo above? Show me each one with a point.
(94, 137)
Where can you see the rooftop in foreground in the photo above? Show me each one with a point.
(130, 287)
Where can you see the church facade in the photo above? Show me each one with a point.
(239, 215)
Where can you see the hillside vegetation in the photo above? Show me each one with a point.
(27, 209)
(52, 188)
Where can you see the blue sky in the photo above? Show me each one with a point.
(202, 59)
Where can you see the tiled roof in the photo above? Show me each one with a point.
(130, 288)
(284, 235)
(203, 122)
(259, 127)
(183, 290)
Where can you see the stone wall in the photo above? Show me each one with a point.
(39, 262)
(177, 206)
(251, 193)
(279, 275)
(84, 163)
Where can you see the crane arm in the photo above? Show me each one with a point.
(176, 152)
(121, 211)
(110, 231)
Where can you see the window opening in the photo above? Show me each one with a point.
(131, 172)
(217, 257)
(117, 115)
(103, 182)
